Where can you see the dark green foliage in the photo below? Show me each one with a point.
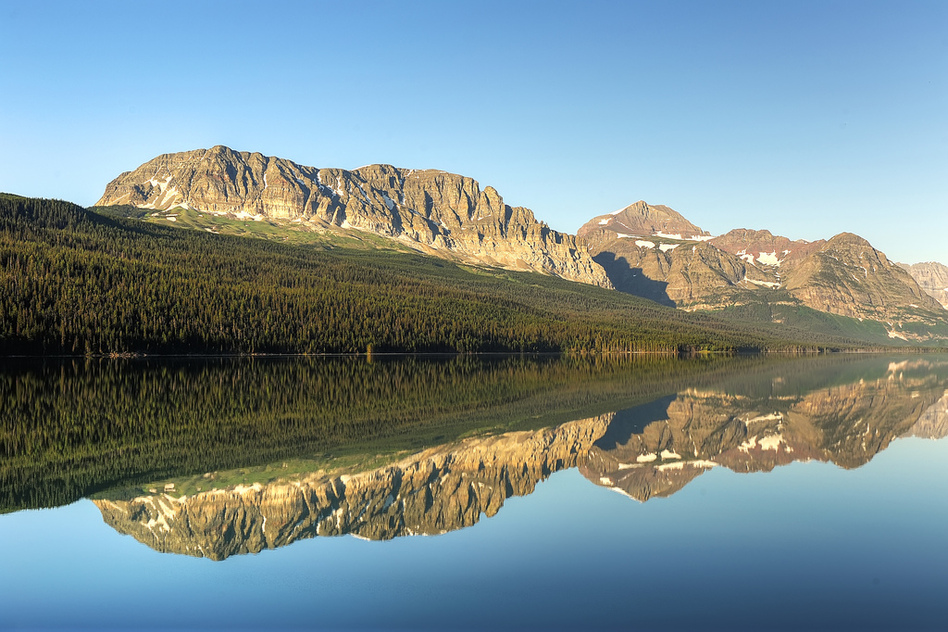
(75, 282)
(69, 428)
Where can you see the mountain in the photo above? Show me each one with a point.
(641, 219)
(762, 247)
(78, 282)
(656, 253)
(429, 493)
(933, 424)
(655, 450)
(432, 211)
(931, 277)
(847, 276)
(840, 287)
(839, 410)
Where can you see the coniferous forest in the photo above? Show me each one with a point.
(76, 282)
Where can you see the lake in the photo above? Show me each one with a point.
(475, 492)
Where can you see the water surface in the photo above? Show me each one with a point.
(471, 493)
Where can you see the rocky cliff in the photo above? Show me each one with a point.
(667, 448)
(433, 211)
(847, 276)
(933, 424)
(432, 492)
(689, 269)
(931, 277)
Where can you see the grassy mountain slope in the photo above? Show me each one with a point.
(77, 282)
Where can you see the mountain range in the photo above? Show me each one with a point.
(652, 251)
(644, 452)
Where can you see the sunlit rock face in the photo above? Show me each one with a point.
(661, 450)
(933, 424)
(433, 211)
(654, 252)
(847, 276)
(429, 493)
(754, 423)
(931, 277)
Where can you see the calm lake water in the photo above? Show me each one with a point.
(475, 493)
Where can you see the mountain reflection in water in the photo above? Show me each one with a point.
(749, 422)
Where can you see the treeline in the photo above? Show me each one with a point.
(76, 282)
(70, 428)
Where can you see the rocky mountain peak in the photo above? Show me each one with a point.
(646, 251)
(847, 276)
(642, 220)
(932, 277)
(763, 247)
(433, 211)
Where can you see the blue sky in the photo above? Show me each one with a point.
(805, 118)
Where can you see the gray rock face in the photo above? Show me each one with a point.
(933, 424)
(931, 277)
(433, 211)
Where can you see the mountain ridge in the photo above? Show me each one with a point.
(843, 275)
(646, 250)
(430, 210)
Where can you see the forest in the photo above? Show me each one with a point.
(76, 282)
(70, 427)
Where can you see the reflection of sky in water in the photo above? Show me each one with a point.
(808, 545)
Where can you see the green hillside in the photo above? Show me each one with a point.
(73, 281)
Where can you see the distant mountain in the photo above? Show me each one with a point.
(840, 286)
(756, 420)
(656, 253)
(78, 282)
(931, 277)
(641, 219)
(654, 451)
(432, 211)
(762, 247)
(429, 493)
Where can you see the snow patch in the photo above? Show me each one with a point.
(748, 445)
(603, 222)
(774, 442)
(646, 458)
(641, 243)
(668, 454)
(770, 417)
(680, 465)
(769, 284)
(769, 258)
(668, 235)
(667, 247)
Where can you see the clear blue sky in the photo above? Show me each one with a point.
(806, 118)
